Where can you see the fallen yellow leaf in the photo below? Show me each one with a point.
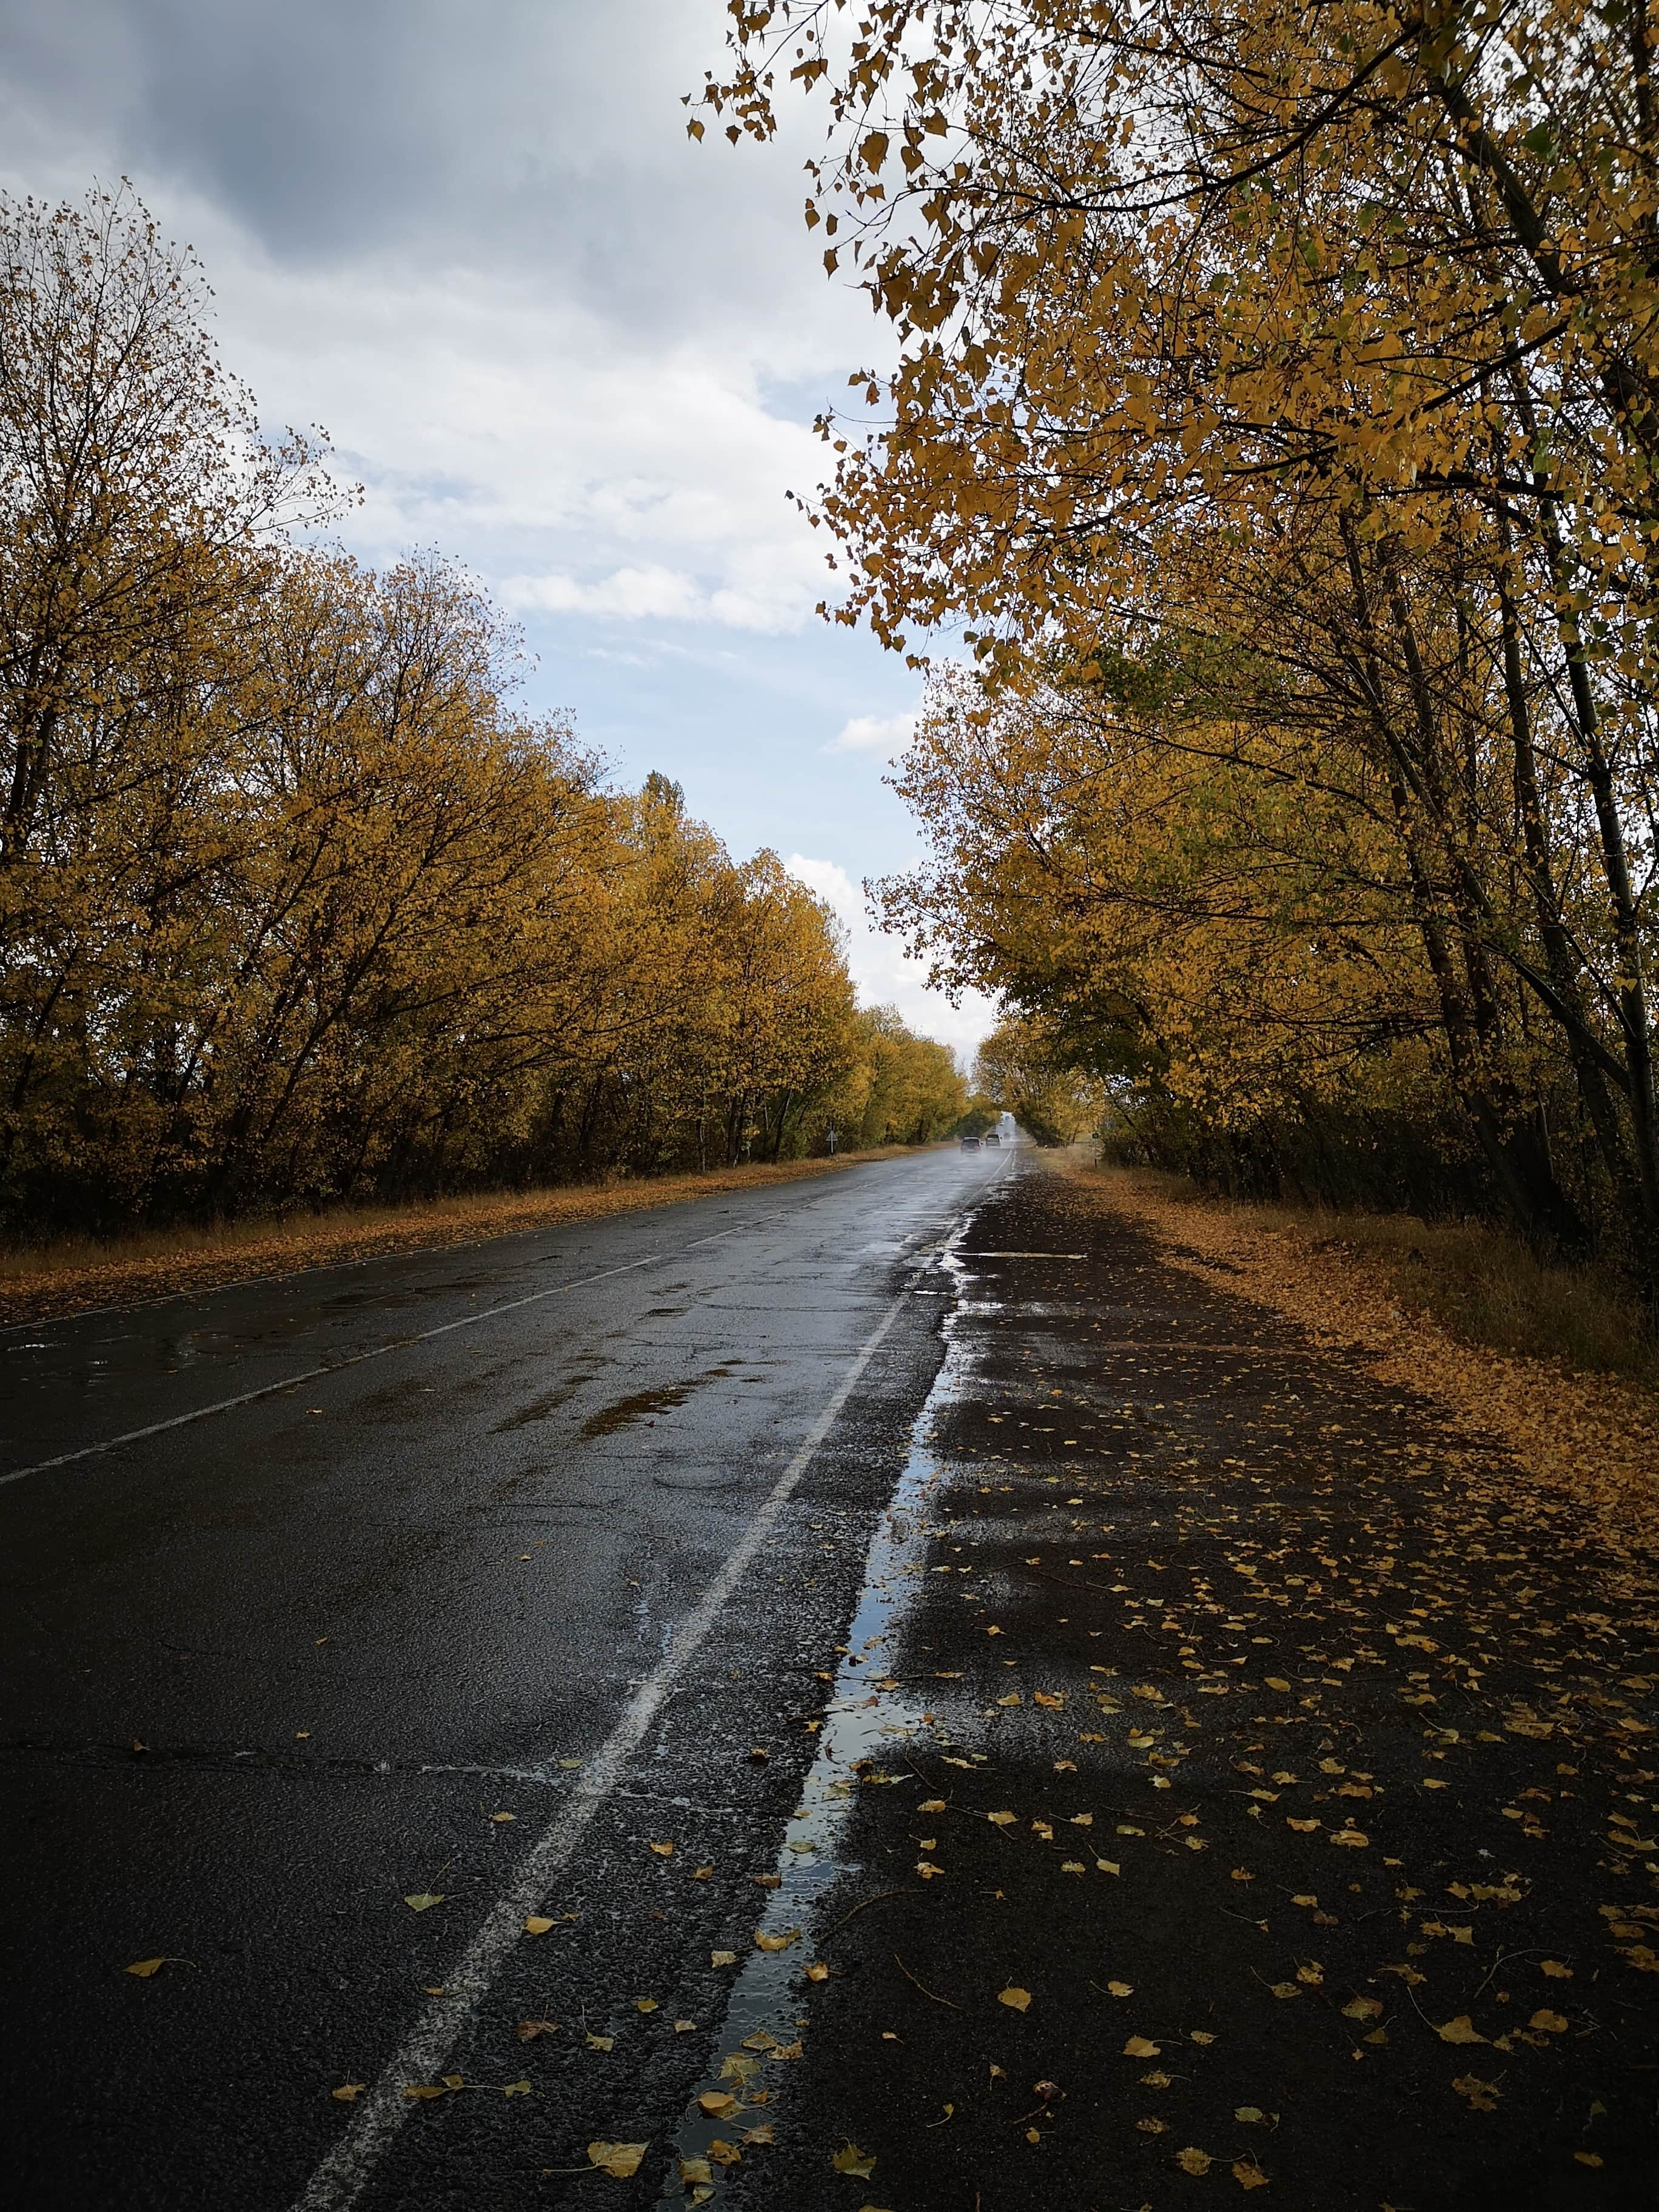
(1121, 1989)
(1016, 1999)
(1248, 2174)
(145, 1967)
(347, 2092)
(1549, 2023)
(722, 1958)
(1001, 1819)
(538, 1923)
(1460, 2030)
(663, 1850)
(724, 2153)
(645, 2004)
(696, 2169)
(1250, 2114)
(1555, 1970)
(515, 2089)
(620, 2160)
(849, 2158)
(1482, 2095)
(1194, 2162)
(1141, 2046)
(422, 1902)
(717, 2103)
(760, 2135)
(1275, 1682)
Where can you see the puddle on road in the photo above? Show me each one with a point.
(539, 1408)
(625, 1412)
(867, 1719)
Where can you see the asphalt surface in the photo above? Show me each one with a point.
(272, 1669)
(1139, 1757)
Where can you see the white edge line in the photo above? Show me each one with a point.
(342, 2173)
(317, 1374)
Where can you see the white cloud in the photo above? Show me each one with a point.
(632, 593)
(654, 594)
(887, 734)
(881, 974)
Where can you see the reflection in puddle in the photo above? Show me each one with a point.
(866, 1721)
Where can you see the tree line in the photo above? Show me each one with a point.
(1276, 417)
(297, 904)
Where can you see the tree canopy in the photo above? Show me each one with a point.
(296, 902)
(1275, 418)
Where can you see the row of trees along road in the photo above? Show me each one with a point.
(1276, 413)
(295, 904)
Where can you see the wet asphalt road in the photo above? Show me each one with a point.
(270, 1671)
(1144, 1757)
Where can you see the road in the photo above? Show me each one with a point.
(990, 1720)
(276, 1668)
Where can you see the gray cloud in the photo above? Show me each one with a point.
(540, 139)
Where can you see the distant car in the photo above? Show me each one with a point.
(992, 1138)
(970, 1144)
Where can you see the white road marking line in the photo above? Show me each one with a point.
(344, 2172)
(318, 1374)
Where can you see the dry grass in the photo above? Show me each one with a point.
(1482, 1284)
(1548, 1360)
(73, 1276)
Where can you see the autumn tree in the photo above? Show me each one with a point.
(297, 903)
(1312, 351)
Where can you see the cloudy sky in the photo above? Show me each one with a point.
(550, 335)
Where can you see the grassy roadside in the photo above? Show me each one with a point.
(50, 1280)
(1547, 1359)
(1479, 1282)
